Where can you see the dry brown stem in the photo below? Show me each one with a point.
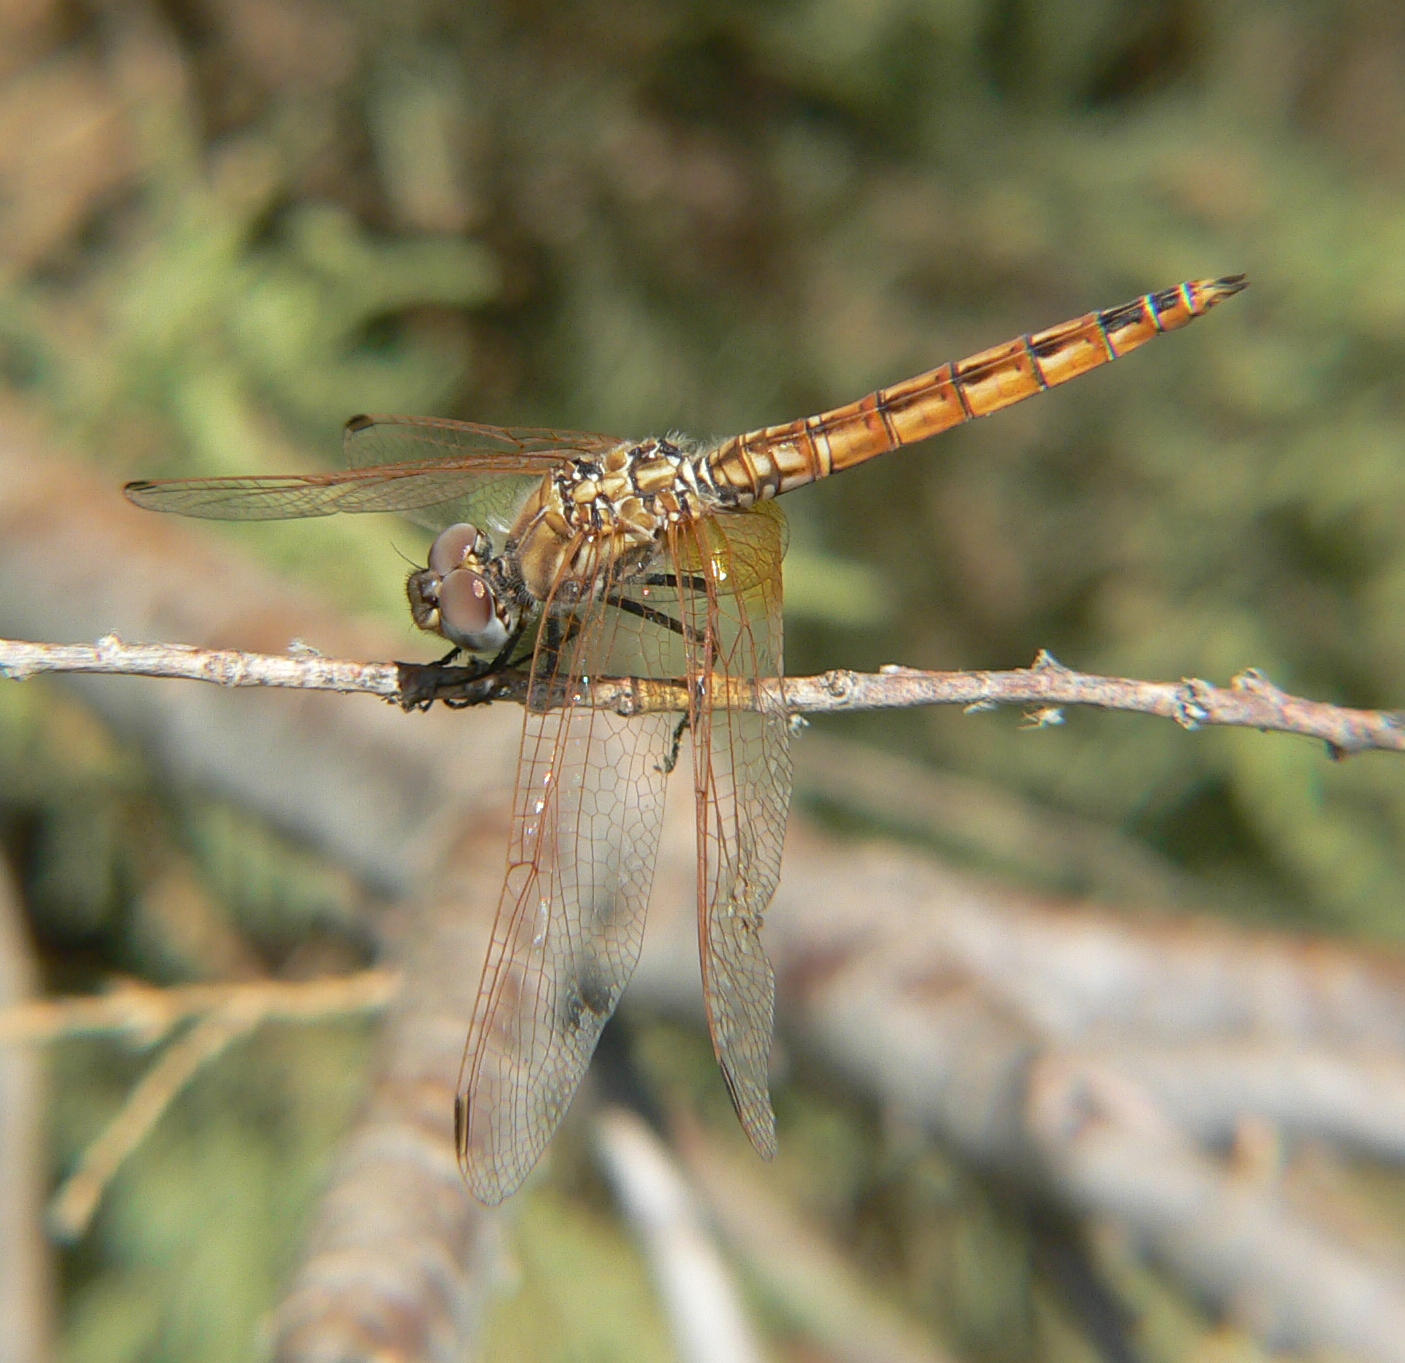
(1250, 701)
(223, 1014)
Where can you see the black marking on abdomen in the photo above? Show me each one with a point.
(1034, 364)
(958, 384)
(881, 406)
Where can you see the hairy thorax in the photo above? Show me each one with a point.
(597, 520)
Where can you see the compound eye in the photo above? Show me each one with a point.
(451, 547)
(466, 607)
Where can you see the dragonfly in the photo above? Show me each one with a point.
(571, 555)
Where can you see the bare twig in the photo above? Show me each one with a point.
(1250, 701)
(224, 666)
(76, 1201)
(710, 1323)
(150, 1013)
(225, 1012)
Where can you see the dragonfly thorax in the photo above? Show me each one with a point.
(594, 519)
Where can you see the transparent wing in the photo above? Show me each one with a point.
(382, 439)
(587, 814)
(568, 926)
(480, 460)
(435, 470)
(742, 784)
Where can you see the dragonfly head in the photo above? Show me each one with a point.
(454, 597)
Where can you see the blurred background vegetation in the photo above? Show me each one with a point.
(227, 225)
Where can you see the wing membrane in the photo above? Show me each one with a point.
(475, 452)
(368, 441)
(742, 783)
(437, 470)
(568, 926)
(274, 497)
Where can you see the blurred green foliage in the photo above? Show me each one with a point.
(232, 224)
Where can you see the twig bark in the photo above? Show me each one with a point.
(221, 1013)
(1250, 701)
(148, 1012)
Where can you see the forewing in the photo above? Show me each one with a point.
(383, 439)
(434, 471)
(490, 496)
(742, 783)
(413, 489)
(570, 920)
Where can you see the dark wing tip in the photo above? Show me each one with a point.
(135, 491)
(359, 423)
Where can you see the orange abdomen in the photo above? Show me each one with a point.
(775, 459)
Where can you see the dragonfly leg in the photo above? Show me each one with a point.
(671, 758)
(474, 683)
(654, 616)
(688, 582)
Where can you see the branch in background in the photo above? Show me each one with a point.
(695, 1284)
(27, 1304)
(400, 1262)
(148, 1012)
(808, 1278)
(223, 1014)
(1250, 701)
(73, 1205)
